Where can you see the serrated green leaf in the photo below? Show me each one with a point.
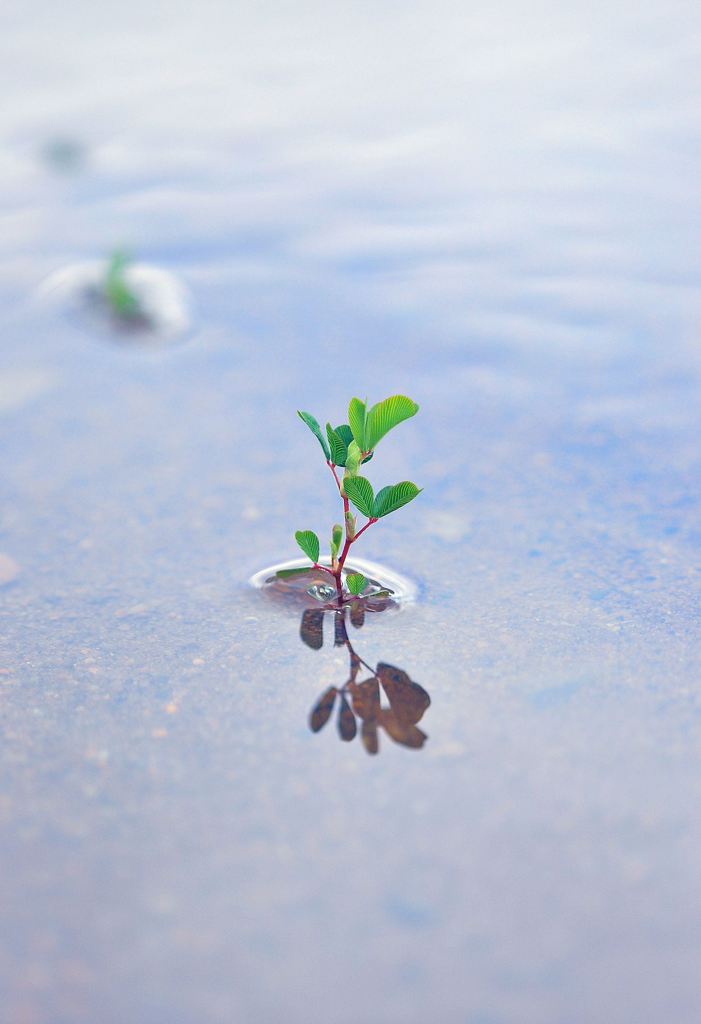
(356, 583)
(336, 538)
(338, 448)
(345, 433)
(386, 415)
(359, 490)
(389, 499)
(357, 413)
(284, 574)
(309, 543)
(313, 425)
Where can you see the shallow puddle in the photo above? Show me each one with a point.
(475, 800)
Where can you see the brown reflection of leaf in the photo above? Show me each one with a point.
(346, 721)
(312, 628)
(322, 709)
(368, 734)
(357, 614)
(366, 704)
(407, 699)
(406, 734)
(366, 698)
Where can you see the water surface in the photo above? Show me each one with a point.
(495, 211)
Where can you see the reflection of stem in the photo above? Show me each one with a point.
(361, 699)
(355, 659)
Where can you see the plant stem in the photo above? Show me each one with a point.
(361, 531)
(346, 549)
(324, 568)
(349, 540)
(332, 467)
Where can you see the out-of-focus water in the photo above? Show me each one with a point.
(495, 210)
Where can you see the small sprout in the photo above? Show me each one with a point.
(350, 525)
(356, 583)
(336, 539)
(309, 543)
(349, 446)
(353, 459)
(118, 294)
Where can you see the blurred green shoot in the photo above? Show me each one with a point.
(119, 295)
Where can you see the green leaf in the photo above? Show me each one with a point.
(284, 574)
(386, 415)
(359, 490)
(309, 543)
(389, 499)
(357, 413)
(338, 448)
(345, 433)
(340, 440)
(336, 538)
(119, 295)
(352, 459)
(313, 425)
(356, 583)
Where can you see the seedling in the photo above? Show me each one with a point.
(349, 447)
(118, 294)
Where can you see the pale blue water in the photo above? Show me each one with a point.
(497, 212)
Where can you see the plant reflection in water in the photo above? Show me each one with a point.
(360, 702)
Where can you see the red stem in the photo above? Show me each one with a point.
(369, 523)
(349, 540)
(324, 568)
(346, 549)
(332, 467)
